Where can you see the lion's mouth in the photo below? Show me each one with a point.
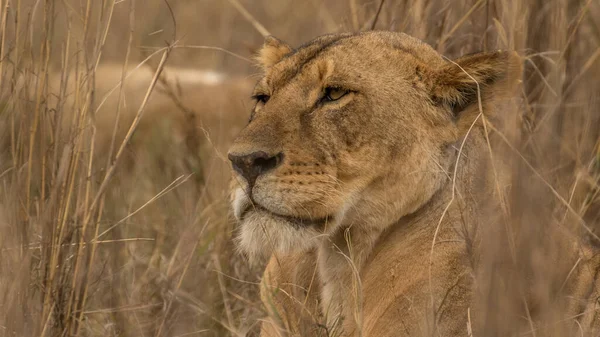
(293, 220)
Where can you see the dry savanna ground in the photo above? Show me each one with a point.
(114, 213)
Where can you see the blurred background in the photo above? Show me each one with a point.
(114, 216)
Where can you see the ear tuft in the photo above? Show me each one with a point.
(272, 51)
(495, 74)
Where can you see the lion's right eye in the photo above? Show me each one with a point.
(261, 98)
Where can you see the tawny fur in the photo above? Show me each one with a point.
(378, 164)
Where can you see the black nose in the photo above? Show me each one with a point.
(252, 165)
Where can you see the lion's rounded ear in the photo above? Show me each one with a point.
(495, 75)
(272, 51)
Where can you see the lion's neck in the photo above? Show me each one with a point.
(351, 249)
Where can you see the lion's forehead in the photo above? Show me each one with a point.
(352, 49)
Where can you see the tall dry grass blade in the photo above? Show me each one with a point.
(558, 196)
(376, 18)
(111, 169)
(354, 15)
(257, 25)
(460, 22)
(4, 14)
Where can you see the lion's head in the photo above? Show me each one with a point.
(350, 128)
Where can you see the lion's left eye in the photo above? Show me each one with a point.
(333, 94)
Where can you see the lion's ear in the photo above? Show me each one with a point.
(272, 51)
(495, 75)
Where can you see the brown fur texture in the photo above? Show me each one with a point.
(372, 212)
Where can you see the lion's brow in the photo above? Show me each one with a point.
(307, 53)
(313, 49)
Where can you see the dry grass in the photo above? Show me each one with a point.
(108, 232)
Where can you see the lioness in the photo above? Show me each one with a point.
(359, 173)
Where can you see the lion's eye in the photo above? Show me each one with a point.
(333, 94)
(261, 98)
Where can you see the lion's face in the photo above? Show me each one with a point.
(346, 129)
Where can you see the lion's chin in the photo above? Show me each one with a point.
(262, 234)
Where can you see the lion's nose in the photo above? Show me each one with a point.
(252, 165)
